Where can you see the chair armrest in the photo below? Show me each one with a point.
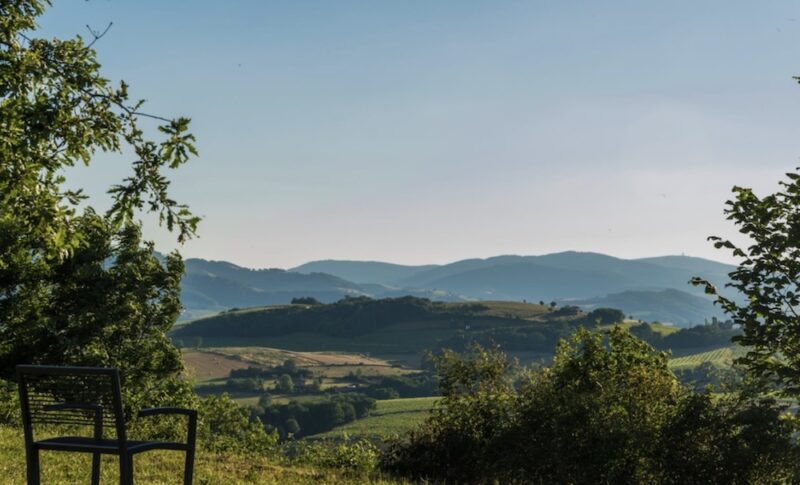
(157, 411)
(191, 436)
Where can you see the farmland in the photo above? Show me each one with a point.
(721, 357)
(391, 417)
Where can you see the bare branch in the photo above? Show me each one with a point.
(96, 34)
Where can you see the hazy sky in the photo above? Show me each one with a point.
(431, 131)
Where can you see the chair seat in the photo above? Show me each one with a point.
(92, 445)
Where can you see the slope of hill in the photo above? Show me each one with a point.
(573, 275)
(669, 306)
(363, 271)
(213, 286)
(532, 281)
(392, 326)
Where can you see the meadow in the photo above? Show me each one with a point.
(166, 468)
(392, 417)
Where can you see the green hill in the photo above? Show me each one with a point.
(213, 286)
(673, 306)
(393, 325)
(406, 325)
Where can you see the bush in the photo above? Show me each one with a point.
(384, 393)
(9, 404)
(607, 411)
(315, 416)
(224, 426)
(357, 457)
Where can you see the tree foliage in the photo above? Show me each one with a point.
(607, 411)
(768, 277)
(77, 286)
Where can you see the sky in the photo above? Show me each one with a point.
(432, 131)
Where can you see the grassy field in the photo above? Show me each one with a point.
(212, 366)
(166, 467)
(205, 366)
(392, 417)
(656, 327)
(721, 357)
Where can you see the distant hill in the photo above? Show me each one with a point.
(363, 271)
(213, 286)
(392, 325)
(410, 325)
(670, 306)
(566, 275)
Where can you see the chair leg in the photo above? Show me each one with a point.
(96, 469)
(126, 469)
(33, 466)
(188, 467)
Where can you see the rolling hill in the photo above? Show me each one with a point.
(409, 325)
(673, 306)
(213, 286)
(387, 274)
(209, 287)
(566, 275)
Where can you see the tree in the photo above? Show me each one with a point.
(608, 410)
(285, 384)
(265, 400)
(305, 300)
(605, 316)
(289, 366)
(76, 286)
(768, 279)
(291, 426)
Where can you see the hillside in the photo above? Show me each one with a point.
(213, 286)
(566, 275)
(670, 306)
(395, 326)
(363, 271)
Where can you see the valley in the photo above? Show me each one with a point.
(378, 349)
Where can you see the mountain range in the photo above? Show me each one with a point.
(649, 288)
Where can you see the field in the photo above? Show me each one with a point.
(211, 367)
(721, 357)
(205, 366)
(657, 327)
(166, 467)
(392, 417)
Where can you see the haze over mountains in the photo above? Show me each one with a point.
(650, 288)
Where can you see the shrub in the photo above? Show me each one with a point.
(357, 457)
(607, 411)
(225, 426)
(9, 404)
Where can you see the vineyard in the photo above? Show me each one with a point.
(721, 357)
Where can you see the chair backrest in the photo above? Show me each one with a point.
(60, 395)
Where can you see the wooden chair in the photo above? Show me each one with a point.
(88, 396)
